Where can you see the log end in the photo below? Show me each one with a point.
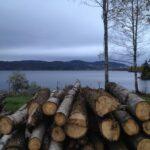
(6, 125)
(32, 107)
(131, 127)
(60, 119)
(143, 111)
(34, 144)
(146, 127)
(49, 108)
(144, 144)
(105, 105)
(110, 129)
(58, 134)
(75, 131)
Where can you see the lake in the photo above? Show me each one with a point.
(93, 79)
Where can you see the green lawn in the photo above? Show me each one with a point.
(146, 97)
(15, 102)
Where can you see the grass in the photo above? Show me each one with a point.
(15, 102)
(146, 97)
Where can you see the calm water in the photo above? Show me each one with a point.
(93, 79)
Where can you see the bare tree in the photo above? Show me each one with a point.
(104, 4)
(130, 18)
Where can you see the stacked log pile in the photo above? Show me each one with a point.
(79, 119)
(3, 95)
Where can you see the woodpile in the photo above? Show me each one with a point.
(78, 119)
(3, 95)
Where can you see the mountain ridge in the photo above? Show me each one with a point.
(59, 65)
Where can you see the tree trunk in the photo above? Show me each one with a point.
(58, 134)
(65, 107)
(77, 125)
(50, 106)
(110, 129)
(127, 122)
(136, 105)
(105, 22)
(55, 146)
(146, 127)
(101, 102)
(8, 123)
(36, 138)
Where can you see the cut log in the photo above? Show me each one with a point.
(46, 141)
(127, 122)
(58, 134)
(38, 99)
(77, 124)
(50, 106)
(139, 142)
(55, 146)
(100, 101)
(17, 142)
(4, 140)
(65, 107)
(136, 105)
(8, 123)
(146, 127)
(110, 129)
(35, 114)
(97, 142)
(36, 138)
(89, 146)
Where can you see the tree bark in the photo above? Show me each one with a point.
(136, 105)
(127, 122)
(105, 23)
(101, 102)
(51, 105)
(55, 146)
(35, 114)
(77, 124)
(8, 123)
(36, 138)
(65, 107)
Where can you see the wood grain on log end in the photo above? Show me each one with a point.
(143, 111)
(34, 144)
(144, 144)
(60, 119)
(75, 131)
(6, 125)
(131, 127)
(58, 134)
(49, 108)
(106, 104)
(32, 107)
(146, 127)
(110, 129)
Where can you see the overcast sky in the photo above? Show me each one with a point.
(49, 30)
